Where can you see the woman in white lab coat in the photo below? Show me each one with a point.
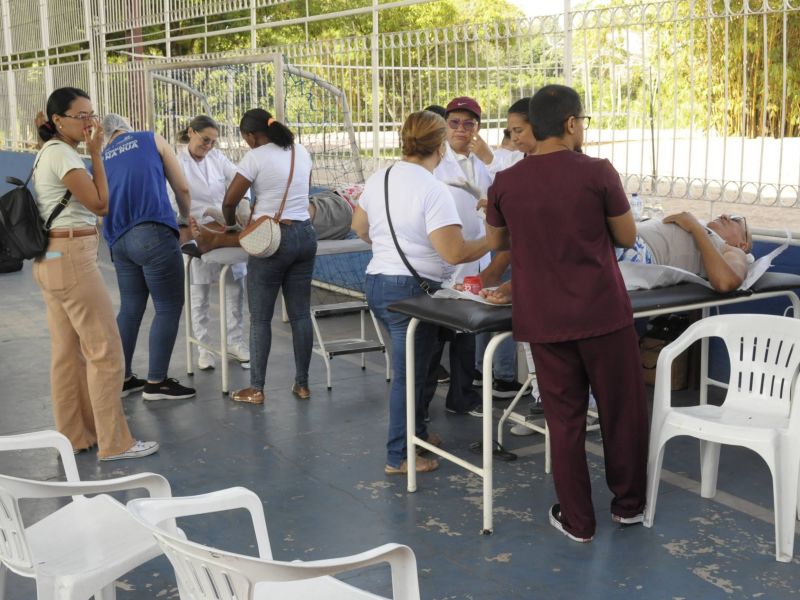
(209, 172)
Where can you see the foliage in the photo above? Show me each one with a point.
(702, 65)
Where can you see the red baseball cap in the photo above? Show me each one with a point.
(464, 103)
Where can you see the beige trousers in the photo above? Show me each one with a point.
(87, 367)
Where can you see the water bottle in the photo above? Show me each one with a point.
(637, 206)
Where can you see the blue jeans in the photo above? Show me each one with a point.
(383, 290)
(504, 364)
(289, 268)
(148, 262)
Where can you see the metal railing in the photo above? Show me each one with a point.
(690, 99)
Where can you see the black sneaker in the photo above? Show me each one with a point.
(555, 521)
(442, 376)
(169, 389)
(477, 411)
(536, 409)
(477, 378)
(505, 389)
(132, 384)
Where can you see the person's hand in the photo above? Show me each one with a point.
(480, 148)
(93, 137)
(40, 119)
(482, 204)
(685, 220)
(499, 295)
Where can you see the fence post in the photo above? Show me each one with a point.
(13, 132)
(567, 44)
(375, 87)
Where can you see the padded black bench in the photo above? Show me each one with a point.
(474, 317)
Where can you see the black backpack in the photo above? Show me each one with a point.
(22, 232)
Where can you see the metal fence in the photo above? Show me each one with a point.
(689, 99)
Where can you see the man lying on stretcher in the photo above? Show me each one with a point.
(716, 250)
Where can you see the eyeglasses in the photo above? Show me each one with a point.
(207, 141)
(587, 120)
(741, 219)
(468, 124)
(83, 116)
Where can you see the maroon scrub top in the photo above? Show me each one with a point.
(566, 281)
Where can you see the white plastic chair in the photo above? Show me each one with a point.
(82, 548)
(760, 411)
(206, 573)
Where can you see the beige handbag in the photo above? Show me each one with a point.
(262, 238)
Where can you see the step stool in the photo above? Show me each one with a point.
(361, 345)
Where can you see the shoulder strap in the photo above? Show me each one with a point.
(422, 283)
(59, 208)
(62, 204)
(36, 162)
(278, 214)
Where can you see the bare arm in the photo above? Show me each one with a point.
(452, 246)
(233, 195)
(726, 270)
(622, 229)
(498, 238)
(92, 191)
(492, 274)
(175, 177)
(360, 224)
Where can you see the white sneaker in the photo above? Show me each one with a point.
(206, 360)
(240, 352)
(138, 450)
(521, 430)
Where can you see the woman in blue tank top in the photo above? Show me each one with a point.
(142, 232)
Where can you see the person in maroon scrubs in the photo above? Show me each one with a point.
(565, 212)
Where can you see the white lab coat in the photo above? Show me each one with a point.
(208, 180)
(450, 172)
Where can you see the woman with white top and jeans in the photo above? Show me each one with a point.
(87, 366)
(265, 170)
(209, 172)
(428, 229)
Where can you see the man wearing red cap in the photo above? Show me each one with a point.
(468, 180)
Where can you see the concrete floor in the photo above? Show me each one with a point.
(318, 467)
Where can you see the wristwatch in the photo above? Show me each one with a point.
(183, 221)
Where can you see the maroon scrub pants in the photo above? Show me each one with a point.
(611, 364)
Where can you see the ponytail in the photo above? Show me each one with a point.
(258, 120)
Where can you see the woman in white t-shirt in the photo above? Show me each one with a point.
(273, 161)
(209, 172)
(425, 220)
(87, 367)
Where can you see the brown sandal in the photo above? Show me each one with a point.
(434, 439)
(248, 395)
(424, 465)
(301, 392)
